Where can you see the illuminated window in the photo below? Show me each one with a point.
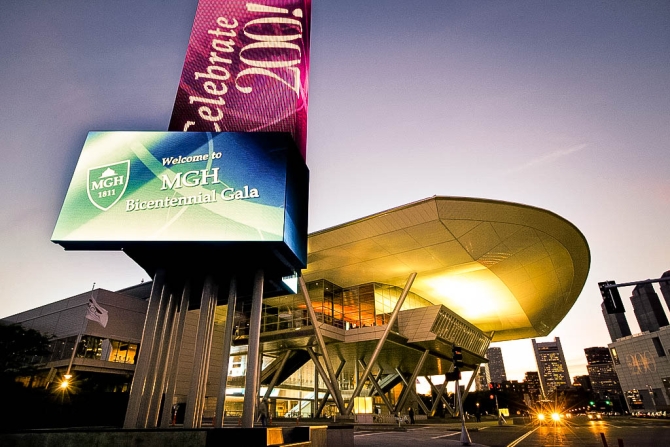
(122, 352)
(90, 347)
(615, 356)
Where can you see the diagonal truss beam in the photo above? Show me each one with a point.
(378, 377)
(472, 379)
(440, 396)
(376, 386)
(322, 373)
(382, 340)
(275, 377)
(322, 346)
(327, 395)
(409, 385)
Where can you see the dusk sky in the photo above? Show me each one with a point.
(562, 105)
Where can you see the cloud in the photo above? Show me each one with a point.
(548, 158)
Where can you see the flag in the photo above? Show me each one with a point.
(96, 313)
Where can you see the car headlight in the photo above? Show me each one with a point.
(556, 417)
(540, 416)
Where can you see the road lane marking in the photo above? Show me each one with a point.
(445, 436)
(518, 440)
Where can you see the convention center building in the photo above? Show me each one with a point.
(388, 297)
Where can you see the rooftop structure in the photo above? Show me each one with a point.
(617, 325)
(647, 307)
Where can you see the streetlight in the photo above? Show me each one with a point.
(66, 381)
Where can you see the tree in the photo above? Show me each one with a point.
(19, 348)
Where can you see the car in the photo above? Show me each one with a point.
(548, 417)
(594, 416)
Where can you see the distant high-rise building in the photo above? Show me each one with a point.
(582, 381)
(551, 364)
(617, 325)
(647, 307)
(665, 288)
(496, 365)
(604, 380)
(532, 380)
(483, 378)
(642, 365)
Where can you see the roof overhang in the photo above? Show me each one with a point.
(507, 268)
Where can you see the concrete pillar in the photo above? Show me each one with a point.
(250, 390)
(196, 396)
(143, 359)
(225, 359)
(173, 364)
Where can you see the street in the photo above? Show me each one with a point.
(577, 431)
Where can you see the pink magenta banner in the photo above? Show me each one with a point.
(246, 69)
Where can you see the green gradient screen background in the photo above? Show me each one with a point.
(177, 186)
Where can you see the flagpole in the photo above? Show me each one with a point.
(67, 375)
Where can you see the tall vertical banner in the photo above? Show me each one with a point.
(246, 69)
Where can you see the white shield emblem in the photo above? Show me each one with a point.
(106, 184)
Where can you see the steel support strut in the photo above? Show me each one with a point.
(319, 368)
(275, 377)
(325, 397)
(382, 340)
(412, 392)
(472, 379)
(440, 395)
(376, 386)
(322, 346)
(408, 388)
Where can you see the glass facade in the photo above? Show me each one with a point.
(91, 347)
(459, 332)
(345, 308)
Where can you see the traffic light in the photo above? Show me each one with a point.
(592, 403)
(611, 298)
(457, 356)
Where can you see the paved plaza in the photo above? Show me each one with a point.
(576, 432)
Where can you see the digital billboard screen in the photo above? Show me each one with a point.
(246, 69)
(149, 187)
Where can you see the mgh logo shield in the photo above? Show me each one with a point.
(106, 184)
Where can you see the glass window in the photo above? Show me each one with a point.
(615, 356)
(659, 347)
(122, 352)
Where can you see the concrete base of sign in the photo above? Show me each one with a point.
(312, 436)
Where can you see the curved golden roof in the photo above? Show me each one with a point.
(505, 267)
